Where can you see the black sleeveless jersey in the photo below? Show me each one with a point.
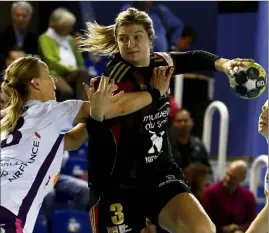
(130, 149)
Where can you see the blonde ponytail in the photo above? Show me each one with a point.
(99, 40)
(11, 114)
(15, 88)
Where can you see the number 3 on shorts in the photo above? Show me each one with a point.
(118, 217)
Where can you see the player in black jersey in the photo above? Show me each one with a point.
(131, 167)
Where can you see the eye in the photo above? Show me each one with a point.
(123, 39)
(138, 37)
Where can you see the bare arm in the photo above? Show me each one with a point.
(260, 224)
(74, 138)
(199, 60)
(103, 107)
(134, 101)
(126, 104)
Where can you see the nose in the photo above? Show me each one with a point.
(183, 123)
(130, 43)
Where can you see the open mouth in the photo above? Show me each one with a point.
(262, 124)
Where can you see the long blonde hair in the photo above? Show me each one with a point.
(102, 40)
(15, 88)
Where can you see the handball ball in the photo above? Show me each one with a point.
(248, 82)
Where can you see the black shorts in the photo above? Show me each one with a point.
(123, 209)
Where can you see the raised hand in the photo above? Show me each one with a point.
(101, 98)
(233, 65)
(161, 78)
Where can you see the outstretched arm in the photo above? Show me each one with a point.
(199, 60)
(75, 137)
(260, 224)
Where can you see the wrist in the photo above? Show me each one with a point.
(155, 94)
(96, 117)
(219, 64)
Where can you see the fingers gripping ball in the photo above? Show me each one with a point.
(248, 82)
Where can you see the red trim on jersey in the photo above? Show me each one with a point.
(94, 218)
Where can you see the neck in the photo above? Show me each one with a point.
(145, 63)
(33, 96)
(18, 29)
(183, 139)
(55, 30)
(231, 190)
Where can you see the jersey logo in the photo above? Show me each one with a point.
(157, 142)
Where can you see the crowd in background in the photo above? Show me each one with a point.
(231, 207)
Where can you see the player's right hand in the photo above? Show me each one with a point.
(161, 78)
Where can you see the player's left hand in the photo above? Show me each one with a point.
(150, 228)
(231, 66)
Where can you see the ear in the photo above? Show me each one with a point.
(36, 83)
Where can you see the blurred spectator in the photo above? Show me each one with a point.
(168, 27)
(12, 55)
(17, 35)
(96, 64)
(59, 50)
(231, 207)
(192, 158)
(187, 38)
(67, 187)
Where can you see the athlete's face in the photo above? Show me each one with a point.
(45, 83)
(134, 44)
(263, 120)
